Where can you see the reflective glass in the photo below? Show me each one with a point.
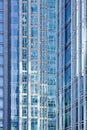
(34, 32)
(34, 111)
(24, 100)
(1, 49)
(34, 9)
(1, 16)
(1, 5)
(34, 100)
(1, 114)
(34, 54)
(1, 71)
(1, 81)
(1, 92)
(1, 27)
(1, 37)
(34, 20)
(1, 103)
(24, 7)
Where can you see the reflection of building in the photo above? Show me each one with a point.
(72, 62)
(32, 41)
(43, 59)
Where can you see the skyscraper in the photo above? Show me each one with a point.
(43, 65)
(72, 65)
(30, 64)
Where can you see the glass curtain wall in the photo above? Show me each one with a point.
(1, 61)
(52, 55)
(13, 65)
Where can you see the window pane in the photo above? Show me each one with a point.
(34, 9)
(1, 16)
(1, 103)
(1, 49)
(1, 27)
(1, 37)
(1, 92)
(1, 81)
(1, 5)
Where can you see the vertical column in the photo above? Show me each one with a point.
(73, 61)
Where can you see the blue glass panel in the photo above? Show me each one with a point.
(34, 9)
(1, 103)
(1, 37)
(1, 60)
(1, 5)
(1, 49)
(1, 71)
(1, 16)
(33, 124)
(1, 27)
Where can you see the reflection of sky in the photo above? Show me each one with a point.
(14, 64)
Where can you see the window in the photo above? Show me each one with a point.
(67, 54)
(24, 42)
(24, 111)
(34, 88)
(1, 27)
(1, 16)
(24, 124)
(34, 20)
(43, 101)
(24, 19)
(67, 97)
(24, 54)
(24, 100)
(33, 124)
(34, 54)
(67, 11)
(24, 88)
(34, 111)
(34, 43)
(1, 38)
(34, 9)
(1, 81)
(81, 109)
(24, 77)
(67, 32)
(24, 7)
(34, 100)
(34, 77)
(67, 118)
(1, 103)
(1, 92)
(1, 49)
(34, 32)
(43, 90)
(24, 30)
(51, 4)
(1, 5)
(24, 65)
(1, 71)
(1, 114)
(68, 75)
(34, 66)
(43, 112)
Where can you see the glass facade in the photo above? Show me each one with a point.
(46, 64)
(72, 57)
(37, 65)
(13, 65)
(1, 62)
